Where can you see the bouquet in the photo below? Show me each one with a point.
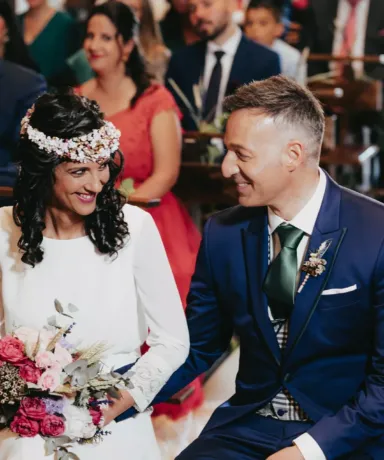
(49, 388)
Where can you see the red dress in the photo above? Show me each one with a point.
(180, 236)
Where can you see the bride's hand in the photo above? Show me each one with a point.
(117, 407)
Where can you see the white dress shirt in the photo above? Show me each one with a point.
(343, 12)
(230, 49)
(305, 220)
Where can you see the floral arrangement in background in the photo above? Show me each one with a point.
(127, 187)
(215, 148)
(49, 388)
(217, 126)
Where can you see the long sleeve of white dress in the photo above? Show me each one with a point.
(158, 296)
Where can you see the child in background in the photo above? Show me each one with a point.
(263, 23)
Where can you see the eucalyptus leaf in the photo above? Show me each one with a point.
(56, 444)
(49, 446)
(79, 364)
(72, 455)
(52, 321)
(79, 377)
(93, 371)
(72, 308)
(68, 316)
(62, 455)
(59, 307)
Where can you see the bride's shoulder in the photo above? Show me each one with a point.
(136, 218)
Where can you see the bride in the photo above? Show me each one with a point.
(70, 237)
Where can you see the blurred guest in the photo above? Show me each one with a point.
(222, 61)
(348, 27)
(295, 15)
(13, 46)
(263, 23)
(176, 27)
(156, 54)
(52, 37)
(148, 119)
(19, 87)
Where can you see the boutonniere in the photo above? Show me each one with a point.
(315, 265)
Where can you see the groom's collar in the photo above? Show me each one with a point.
(305, 220)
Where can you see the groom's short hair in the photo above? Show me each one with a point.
(287, 103)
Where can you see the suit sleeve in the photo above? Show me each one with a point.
(362, 419)
(272, 65)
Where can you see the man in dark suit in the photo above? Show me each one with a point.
(19, 88)
(329, 20)
(296, 271)
(222, 61)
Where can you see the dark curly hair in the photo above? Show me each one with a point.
(127, 27)
(64, 115)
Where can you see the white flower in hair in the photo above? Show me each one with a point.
(97, 146)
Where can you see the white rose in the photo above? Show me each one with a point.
(78, 423)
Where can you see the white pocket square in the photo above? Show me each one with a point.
(340, 291)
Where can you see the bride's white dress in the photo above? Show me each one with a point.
(118, 300)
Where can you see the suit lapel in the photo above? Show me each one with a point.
(195, 70)
(327, 228)
(239, 67)
(255, 246)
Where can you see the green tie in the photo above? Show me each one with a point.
(280, 282)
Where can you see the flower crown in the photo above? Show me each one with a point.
(96, 146)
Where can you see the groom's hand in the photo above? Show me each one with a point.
(290, 453)
(117, 407)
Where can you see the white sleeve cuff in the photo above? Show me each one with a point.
(309, 448)
(141, 403)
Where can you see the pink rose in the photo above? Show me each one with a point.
(12, 350)
(62, 356)
(49, 380)
(45, 359)
(52, 425)
(33, 408)
(25, 426)
(96, 415)
(29, 372)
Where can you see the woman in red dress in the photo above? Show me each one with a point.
(148, 119)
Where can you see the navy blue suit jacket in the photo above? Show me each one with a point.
(19, 88)
(252, 62)
(334, 361)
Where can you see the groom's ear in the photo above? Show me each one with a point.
(294, 155)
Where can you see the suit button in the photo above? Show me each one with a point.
(287, 377)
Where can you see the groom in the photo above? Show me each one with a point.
(296, 271)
